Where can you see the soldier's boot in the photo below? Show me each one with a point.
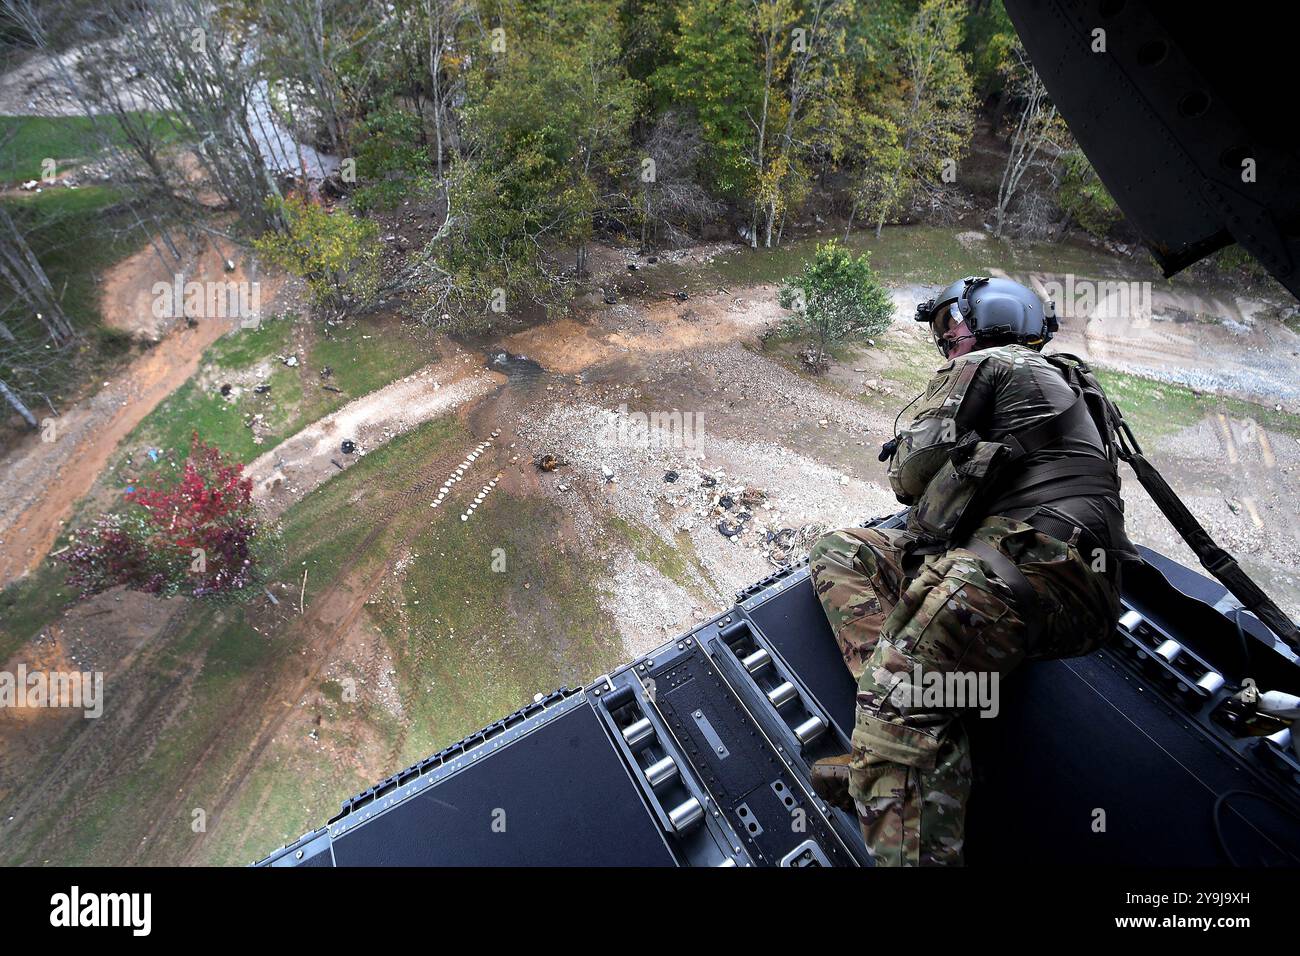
(830, 781)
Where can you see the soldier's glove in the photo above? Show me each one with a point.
(830, 781)
(887, 449)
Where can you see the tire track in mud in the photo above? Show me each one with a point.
(408, 697)
(493, 413)
(85, 752)
(367, 709)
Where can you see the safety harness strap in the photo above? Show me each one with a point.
(1028, 606)
(1074, 477)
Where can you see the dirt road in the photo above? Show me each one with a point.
(51, 470)
(305, 461)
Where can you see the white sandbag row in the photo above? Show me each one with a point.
(458, 474)
(481, 496)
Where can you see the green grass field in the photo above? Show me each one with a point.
(469, 644)
(1155, 408)
(472, 643)
(195, 408)
(363, 356)
(27, 141)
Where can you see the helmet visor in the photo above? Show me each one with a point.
(942, 322)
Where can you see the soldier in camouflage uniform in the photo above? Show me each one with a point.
(1011, 553)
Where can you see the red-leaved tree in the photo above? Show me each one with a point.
(196, 531)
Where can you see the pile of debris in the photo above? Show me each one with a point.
(733, 507)
(742, 512)
(788, 545)
(815, 360)
(549, 461)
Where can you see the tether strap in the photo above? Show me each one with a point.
(1217, 561)
(1027, 603)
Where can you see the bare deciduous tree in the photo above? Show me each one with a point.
(200, 74)
(442, 21)
(670, 189)
(1037, 132)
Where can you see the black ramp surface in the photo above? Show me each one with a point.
(563, 795)
(1079, 736)
(1073, 737)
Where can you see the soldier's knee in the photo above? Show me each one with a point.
(832, 541)
(836, 547)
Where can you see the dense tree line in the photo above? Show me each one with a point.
(532, 127)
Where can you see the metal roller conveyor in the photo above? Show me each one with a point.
(810, 730)
(782, 694)
(638, 732)
(1210, 681)
(757, 660)
(661, 771)
(686, 814)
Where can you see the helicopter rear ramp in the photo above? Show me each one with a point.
(698, 754)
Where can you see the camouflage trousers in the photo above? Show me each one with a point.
(898, 618)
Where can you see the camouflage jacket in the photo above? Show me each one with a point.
(972, 403)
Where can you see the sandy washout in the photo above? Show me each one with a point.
(732, 496)
(38, 86)
(304, 462)
(644, 329)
